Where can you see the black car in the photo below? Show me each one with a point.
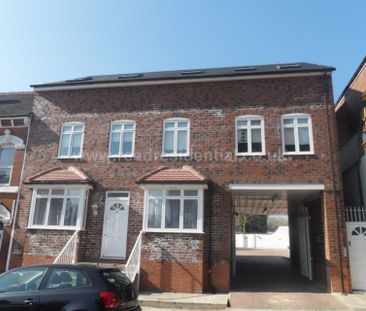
(66, 288)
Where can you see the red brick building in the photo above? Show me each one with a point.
(351, 121)
(15, 109)
(176, 155)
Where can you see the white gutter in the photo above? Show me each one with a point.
(15, 211)
(173, 81)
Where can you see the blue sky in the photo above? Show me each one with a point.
(43, 40)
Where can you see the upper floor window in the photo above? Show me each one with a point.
(122, 139)
(249, 135)
(14, 122)
(297, 136)
(58, 208)
(176, 137)
(71, 140)
(7, 156)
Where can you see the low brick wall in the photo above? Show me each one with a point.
(43, 246)
(172, 262)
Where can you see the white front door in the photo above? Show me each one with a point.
(356, 233)
(115, 226)
(304, 245)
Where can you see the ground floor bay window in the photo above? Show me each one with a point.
(173, 209)
(58, 207)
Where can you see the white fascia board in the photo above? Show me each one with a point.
(173, 81)
(60, 186)
(276, 187)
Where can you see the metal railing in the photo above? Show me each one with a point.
(355, 214)
(69, 252)
(132, 267)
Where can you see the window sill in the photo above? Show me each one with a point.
(53, 228)
(177, 155)
(174, 231)
(250, 154)
(8, 189)
(297, 153)
(121, 156)
(70, 158)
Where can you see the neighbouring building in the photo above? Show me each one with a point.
(167, 159)
(15, 109)
(351, 121)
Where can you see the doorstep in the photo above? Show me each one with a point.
(184, 300)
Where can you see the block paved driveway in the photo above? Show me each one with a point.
(266, 280)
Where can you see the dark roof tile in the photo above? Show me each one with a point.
(192, 73)
(15, 104)
(163, 174)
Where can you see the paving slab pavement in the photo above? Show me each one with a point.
(355, 301)
(286, 301)
(351, 302)
(185, 301)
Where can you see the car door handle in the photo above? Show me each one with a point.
(29, 302)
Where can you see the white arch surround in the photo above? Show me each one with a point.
(12, 140)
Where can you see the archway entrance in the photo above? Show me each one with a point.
(290, 258)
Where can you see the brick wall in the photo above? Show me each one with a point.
(211, 108)
(172, 262)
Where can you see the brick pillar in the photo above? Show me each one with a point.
(337, 265)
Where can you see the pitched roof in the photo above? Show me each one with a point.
(16, 104)
(340, 99)
(190, 74)
(57, 175)
(163, 174)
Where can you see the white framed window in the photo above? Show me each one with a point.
(176, 137)
(7, 156)
(297, 134)
(71, 140)
(58, 207)
(122, 139)
(173, 210)
(249, 135)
